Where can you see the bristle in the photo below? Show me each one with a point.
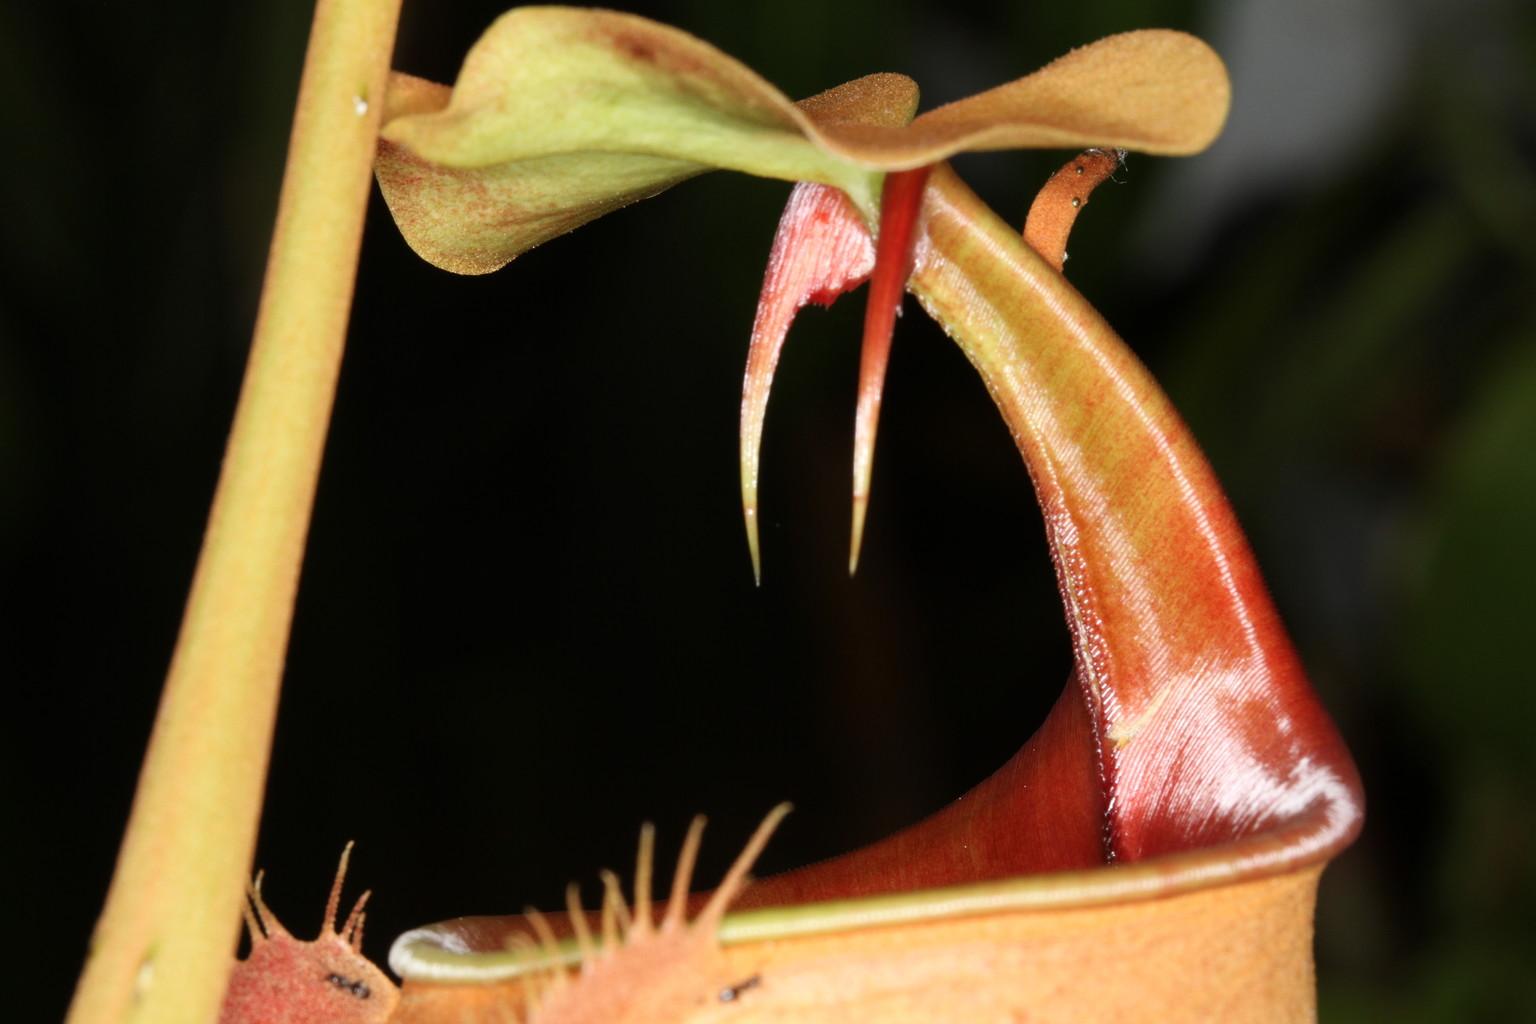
(334, 902)
(736, 878)
(270, 926)
(252, 927)
(354, 920)
(616, 920)
(536, 979)
(526, 950)
(578, 920)
(546, 978)
(682, 878)
(548, 944)
(645, 858)
(900, 201)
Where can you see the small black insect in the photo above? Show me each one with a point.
(357, 988)
(731, 993)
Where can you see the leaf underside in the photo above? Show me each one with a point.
(560, 115)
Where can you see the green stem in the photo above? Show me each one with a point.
(162, 948)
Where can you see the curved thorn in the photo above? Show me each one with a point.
(821, 249)
(900, 201)
(252, 926)
(860, 507)
(354, 922)
(334, 902)
(736, 878)
(271, 927)
(682, 877)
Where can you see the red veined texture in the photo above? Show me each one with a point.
(1154, 847)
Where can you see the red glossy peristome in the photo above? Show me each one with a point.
(286, 980)
(1188, 722)
(1187, 732)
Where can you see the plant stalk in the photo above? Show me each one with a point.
(163, 946)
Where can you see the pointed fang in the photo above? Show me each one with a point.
(821, 250)
(900, 202)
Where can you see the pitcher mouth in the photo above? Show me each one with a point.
(477, 949)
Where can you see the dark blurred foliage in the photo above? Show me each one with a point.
(527, 620)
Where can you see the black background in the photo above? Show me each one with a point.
(527, 620)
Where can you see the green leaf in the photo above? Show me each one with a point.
(562, 114)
